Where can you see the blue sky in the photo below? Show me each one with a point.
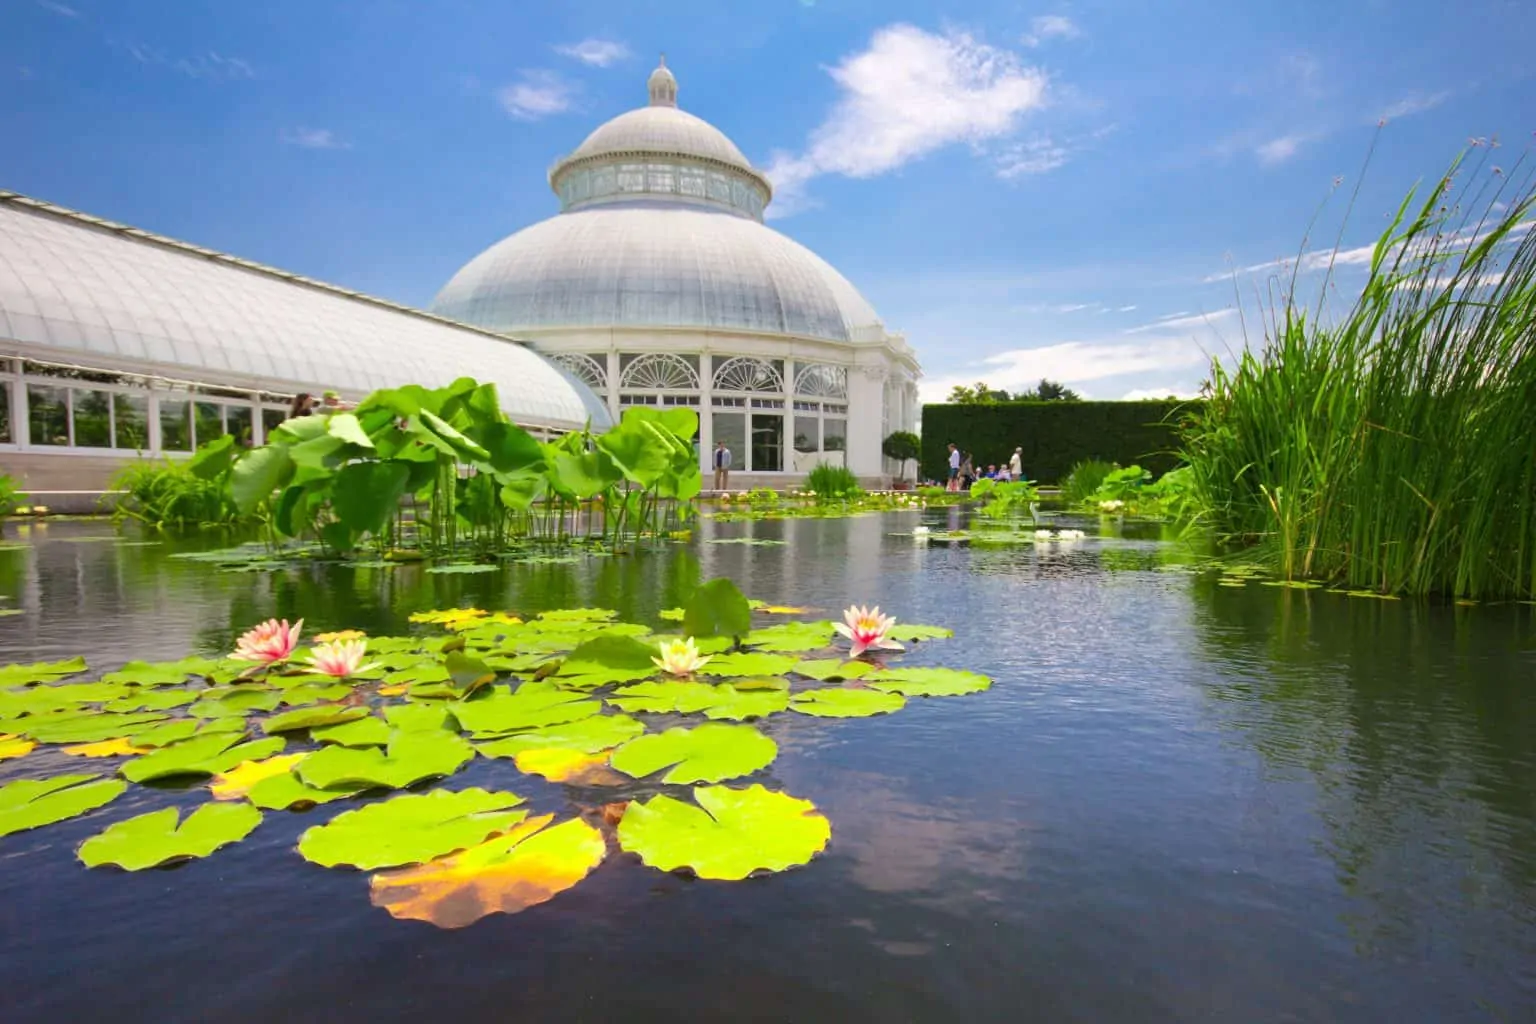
(1024, 189)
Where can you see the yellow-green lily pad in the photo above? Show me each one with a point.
(928, 682)
(206, 754)
(409, 758)
(40, 671)
(313, 718)
(32, 803)
(410, 829)
(829, 669)
(707, 753)
(532, 706)
(837, 703)
(362, 732)
(749, 663)
(727, 834)
(152, 839)
(588, 736)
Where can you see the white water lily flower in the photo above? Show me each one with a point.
(681, 657)
(1044, 535)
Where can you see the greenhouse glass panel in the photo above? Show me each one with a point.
(48, 414)
(175, 425)
(93, 419)
(210, 421)
(5, 413)
(767, 443)
(237, 419)
(807, 434)
(131, 413)
(834, 435)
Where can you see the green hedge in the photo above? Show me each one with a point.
(1054, 435)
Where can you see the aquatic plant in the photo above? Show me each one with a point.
(680, 657)
(1084, 479)
(10, 494)
(554, 695)
(1389, 448)
(832, 483)
(867, 630)
(339, 658)
(269, 643)
(178, 492)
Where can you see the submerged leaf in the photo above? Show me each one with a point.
(836, 703)
(152, 839)
(410, 758)
(31, 803)
(729, 834)
(707, 753)
(410, 829)
(528, 865)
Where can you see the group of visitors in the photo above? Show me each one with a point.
(306, 404)
(962, 469)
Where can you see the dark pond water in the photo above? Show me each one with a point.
(1180, 801)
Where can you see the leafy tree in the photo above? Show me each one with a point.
(1049, 391)
(981, 394)
(903, 446)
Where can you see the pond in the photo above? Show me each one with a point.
(1182, 799)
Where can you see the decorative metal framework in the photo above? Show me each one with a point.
(744, 373)
(589, 369)
(659, 371)
(818, 380)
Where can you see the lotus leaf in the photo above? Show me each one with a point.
(928, 682)
(505, 874)
(707, 753)
(836, 703)
(409, 758)
(828, 669)
(313, 718)
(749, 663)
(717, 608)
(31, 803)
(179, 729)
(40, 672)
(234, 701)
(532, 706)
(729, 834)
(363, 732)
(152, 839)
(206, 754)
(587, 736)
(410, 829)
(237, 782)
(14, 746)
(88, 727)
(792, 636)
(121, 747)
(912, 632)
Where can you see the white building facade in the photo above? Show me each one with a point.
(658, 284)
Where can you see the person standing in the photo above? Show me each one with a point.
(967, 473)
(722, 466)
(1016, 464)
(954, 468)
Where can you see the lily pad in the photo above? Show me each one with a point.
(176, 730)
(410, 829)
(164, 673)
(32, 803)
(207, 754)
(828, 669)
(792, 636)
(237, 782)
(569, 766)
(151, 700)
(532, 706)
(749, 663)
(462, 567)
(615, 658)
(234, 702)
(717, 608)
(410, 758)
(578, 615)
(707, 753)
(728, 834)
(749, 698)
(314, 692)
(528, 865)
(89, 727)
(121, 747)
(313, 718)
(837, 703)
(152, 839)
(40, 671)
(417, 717)
(363, 732)
(928, 682)
(15, 746)
(912, 632)
(588, 736)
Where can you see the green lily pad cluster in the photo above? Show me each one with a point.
(573, 696)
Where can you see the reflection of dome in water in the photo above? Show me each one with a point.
(660, 246)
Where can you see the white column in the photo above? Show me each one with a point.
(866, 393)
(613, 381)
(789, 416)
(706, 418)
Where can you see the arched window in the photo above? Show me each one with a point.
(815, 380)
(743, 373)
(659, 371)
(589, 369)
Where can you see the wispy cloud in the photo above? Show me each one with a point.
(214, 68)
(314, 138)
(1171, 391)
(597, 53)
(1032, 156)
(1277, 151)
(61, 10)
(1050, 26)
(1414, 103)
(907, 95)
(1125, 309)
(1359, 256)
(539, 94)
(1176, 322)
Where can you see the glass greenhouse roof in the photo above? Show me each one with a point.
(78, 289)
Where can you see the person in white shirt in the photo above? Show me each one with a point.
(722, 466)
(1016, 464)
(954, 467)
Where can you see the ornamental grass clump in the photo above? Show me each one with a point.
(1393, 449)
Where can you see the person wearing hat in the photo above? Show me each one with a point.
(1016, 464)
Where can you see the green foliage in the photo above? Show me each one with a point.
(902, 446)
(410, 829)
(728, 834)
(156, 838)
(1055, 436)
(10, 494)
(1083, 479)
(1004, 499)
(717, 608)
(173, 493)
(833, 483)
(1390, 449)
(708, 753)
(32, 803)
(979, 394)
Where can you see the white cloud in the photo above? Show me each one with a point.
(539, 94)
(59, 9)
(1358, 256)
(214, 68)
(1277, 151)
(314, 138)
(1182, 320)
(597, 53)
(1414, 103)
(1172, 391)
(1124, 309)
(907, 95)
(1050, 26)
(1034, 156)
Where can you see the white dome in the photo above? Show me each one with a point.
(655, 264)
(662, 131)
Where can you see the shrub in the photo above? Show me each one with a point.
(1085, 478)
(10, 494)
(903, 446)
(833, 483)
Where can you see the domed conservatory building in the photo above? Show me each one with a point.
(658, 284)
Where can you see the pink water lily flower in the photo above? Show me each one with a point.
(339, 658)
(269, 643)
(868, 630)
